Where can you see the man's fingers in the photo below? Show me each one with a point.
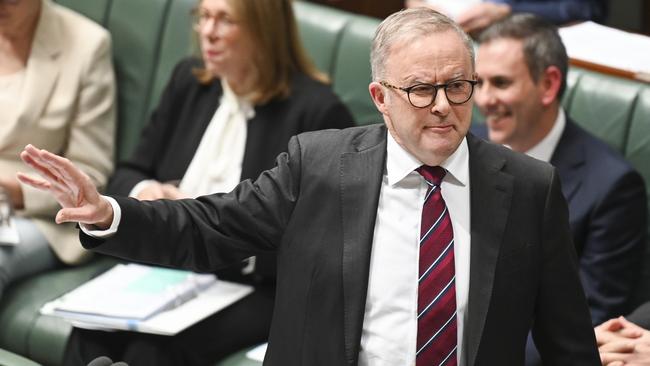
(64, 166)
(631, 333)
(629, 325)
(84, 215)
(611, 325)
(611, 359)
(34, 182)
(36, 162)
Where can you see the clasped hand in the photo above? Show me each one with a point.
(72, 188)
(621, 342)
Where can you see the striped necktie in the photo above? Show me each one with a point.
(437, 329)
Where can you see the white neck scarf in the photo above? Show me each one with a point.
(216, 165)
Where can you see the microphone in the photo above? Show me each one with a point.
(101, 361)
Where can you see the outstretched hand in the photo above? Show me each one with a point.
(72, 188)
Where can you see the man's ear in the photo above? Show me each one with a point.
(378, 96)
(551, 82)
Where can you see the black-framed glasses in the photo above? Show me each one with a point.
(423, 95)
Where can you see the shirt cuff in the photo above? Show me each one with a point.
(101, 234)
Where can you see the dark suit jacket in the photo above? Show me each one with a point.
(607, 212)
(169, 142)
(316, 210)
(561, 11)
(641, 316)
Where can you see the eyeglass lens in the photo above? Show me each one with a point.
(457, 92)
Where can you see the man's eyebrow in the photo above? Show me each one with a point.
(415, 79)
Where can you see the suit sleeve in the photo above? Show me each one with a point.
(212, 231)
(562, 327)
(641, 316)
(91, 129)
(611, 261)
(561, 11)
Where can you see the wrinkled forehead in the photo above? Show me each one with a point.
(438, 55)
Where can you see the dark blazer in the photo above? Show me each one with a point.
(169, 142)
(561, 11)
(641, 315)
(607, 212)
(316, 210)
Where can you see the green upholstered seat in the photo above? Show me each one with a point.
(11, 359)
(150, 36)
(320, 32)
(351, 74)
(96, 10)
(24, 330)
(603, 105)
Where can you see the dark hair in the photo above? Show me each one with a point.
(541, 43)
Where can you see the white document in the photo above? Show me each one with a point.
(100, 304)
(9, 233)
(257, 353)
(610, 47)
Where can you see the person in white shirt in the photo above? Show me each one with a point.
(353, 214)
(57, 90)
(522, 67)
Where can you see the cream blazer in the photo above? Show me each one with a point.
(67, 106)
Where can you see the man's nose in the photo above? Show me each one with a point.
(440, 104)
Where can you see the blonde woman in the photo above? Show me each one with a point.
(57, 89)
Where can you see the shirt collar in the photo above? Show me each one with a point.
(545, 148)
(400, 163)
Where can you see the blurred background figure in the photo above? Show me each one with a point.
(522, 66)
(223, 118)
(57, 89)
(476, 15)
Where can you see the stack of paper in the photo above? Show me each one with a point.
(609, 47)
(146, 299)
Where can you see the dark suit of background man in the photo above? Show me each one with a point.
(342, 212)
(522, 66)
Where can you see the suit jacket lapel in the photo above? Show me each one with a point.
(42, 68)
(491, 193)
(360, 183)
(569, 159)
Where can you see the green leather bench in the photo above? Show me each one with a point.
(150, 36)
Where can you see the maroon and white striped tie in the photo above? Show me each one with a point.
(437, 329)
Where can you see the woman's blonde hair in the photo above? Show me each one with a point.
(272, 27)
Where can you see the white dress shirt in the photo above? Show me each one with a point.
(390, 321)
(11, 86)
(544, 149)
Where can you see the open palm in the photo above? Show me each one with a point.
(72, 188)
